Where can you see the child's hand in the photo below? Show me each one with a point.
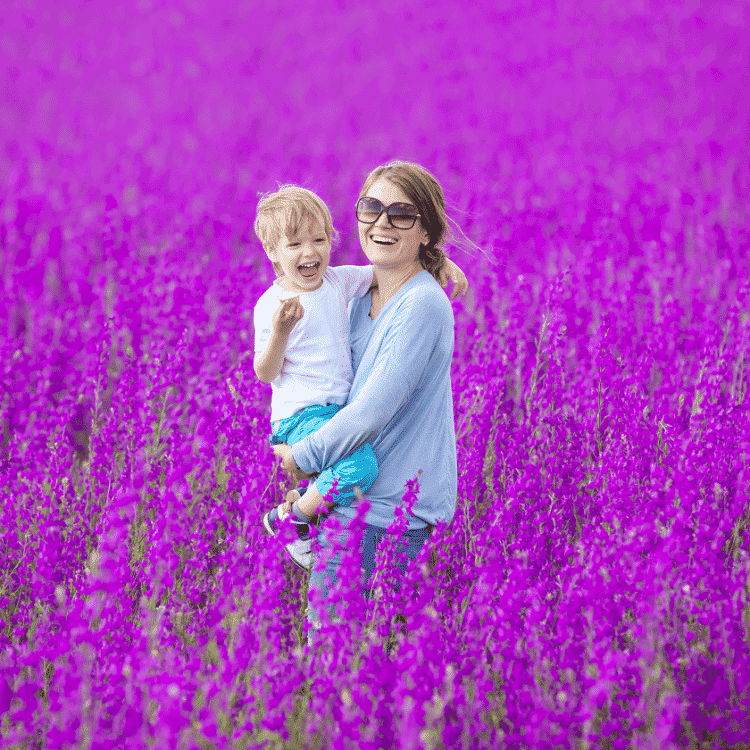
(456, 275)
(287, 315)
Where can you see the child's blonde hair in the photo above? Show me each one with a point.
(280, 214)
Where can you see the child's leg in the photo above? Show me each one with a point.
(358, 471)
(355, 472)
(291, 430)
(297, 428)
(304, 423)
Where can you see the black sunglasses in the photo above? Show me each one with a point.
(401, 215)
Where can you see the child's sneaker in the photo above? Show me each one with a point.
(300, 552)
(274, 517)
(271, 519)
(300, 549)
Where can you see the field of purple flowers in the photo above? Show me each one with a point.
(593, 590)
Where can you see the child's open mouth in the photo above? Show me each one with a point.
(308, 270)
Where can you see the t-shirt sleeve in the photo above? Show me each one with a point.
(354, 281)
(416, 332)
(262, 316)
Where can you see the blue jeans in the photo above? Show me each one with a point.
(413, 541)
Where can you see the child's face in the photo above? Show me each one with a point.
(304, 257)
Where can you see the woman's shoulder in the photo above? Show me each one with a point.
(423, 288)
(423, 298)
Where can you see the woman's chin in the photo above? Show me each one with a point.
(387, 257)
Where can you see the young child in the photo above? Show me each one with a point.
(302, 346)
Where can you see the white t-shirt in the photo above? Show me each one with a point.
(317, 365)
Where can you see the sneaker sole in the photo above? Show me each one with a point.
(267, 526)
(301, 560)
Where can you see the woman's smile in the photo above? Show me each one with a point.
(381, 239)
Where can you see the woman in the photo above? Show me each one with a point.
(402, 346)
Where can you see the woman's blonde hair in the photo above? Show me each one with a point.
(424, 191)
(281, 213)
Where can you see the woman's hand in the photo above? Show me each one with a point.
(288, 464)
(456, 275)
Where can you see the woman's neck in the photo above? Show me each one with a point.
(389, 282)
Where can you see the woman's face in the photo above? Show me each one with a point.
(384, 245)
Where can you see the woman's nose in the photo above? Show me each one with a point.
(383, 220)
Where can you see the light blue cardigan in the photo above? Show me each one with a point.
(400, 402)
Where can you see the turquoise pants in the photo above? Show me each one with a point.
(357, 470)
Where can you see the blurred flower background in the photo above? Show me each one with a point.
(592, 590)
